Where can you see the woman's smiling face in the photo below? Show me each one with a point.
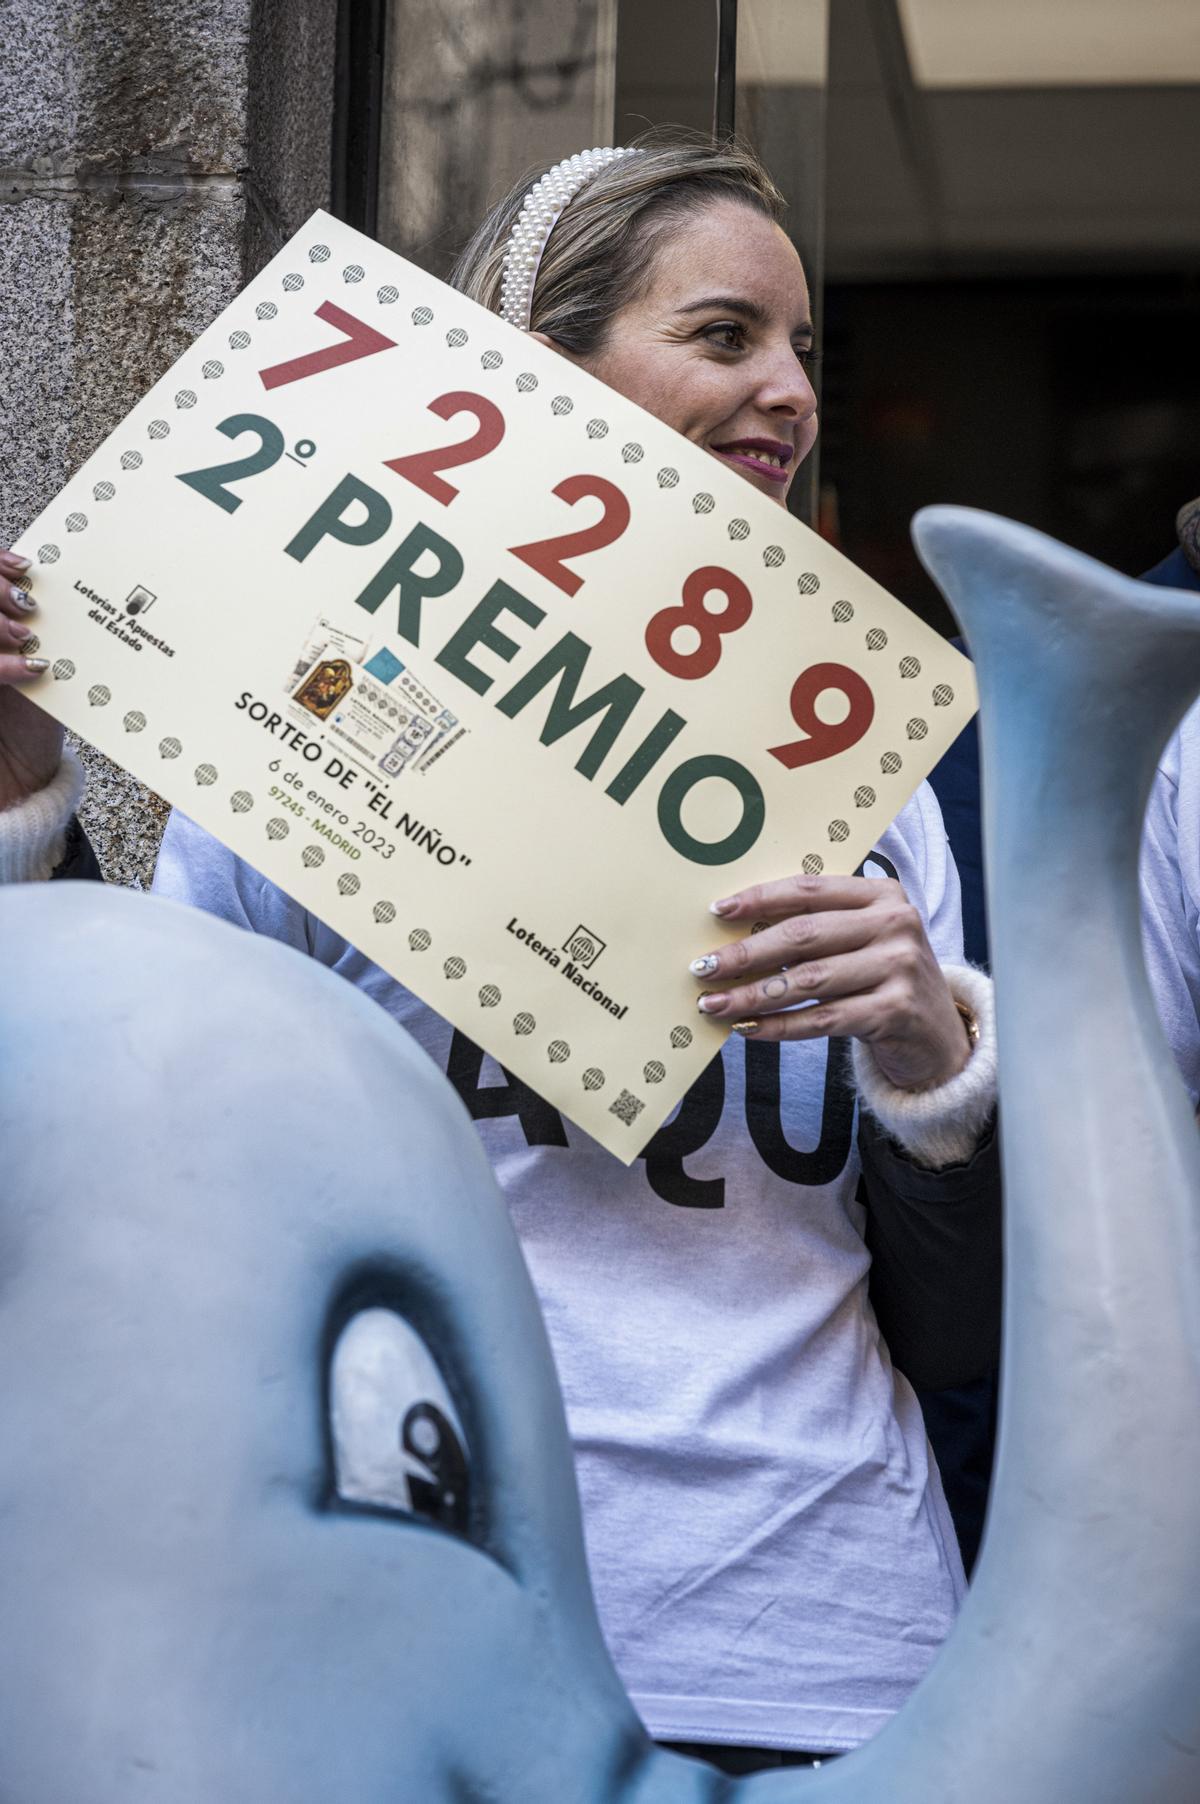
(719, 343)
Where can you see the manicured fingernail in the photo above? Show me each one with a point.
(35, 666)
(725, 907)
(17, 561)
(746, 1027)
(709, 1005)
(704, 967)
(24, 600)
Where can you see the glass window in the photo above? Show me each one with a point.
(1012, 273)
(476, 96)
(781, 72)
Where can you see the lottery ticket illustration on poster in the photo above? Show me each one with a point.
(492, 671)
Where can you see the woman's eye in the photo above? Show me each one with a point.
(807, 355)
(397, 1441)
(728, 336)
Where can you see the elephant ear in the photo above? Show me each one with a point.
(1073, 1674)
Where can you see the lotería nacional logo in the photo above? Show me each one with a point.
(140, 600)
(584, 947)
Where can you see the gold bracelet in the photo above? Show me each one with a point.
(969, 1020)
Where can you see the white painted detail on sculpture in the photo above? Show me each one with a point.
(381, 1367)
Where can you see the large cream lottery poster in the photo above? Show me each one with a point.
(492, 671)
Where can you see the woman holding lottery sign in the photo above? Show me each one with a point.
(769, 1542)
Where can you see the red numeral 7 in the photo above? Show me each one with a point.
(360, 340)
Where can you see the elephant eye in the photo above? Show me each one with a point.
(398, 1444)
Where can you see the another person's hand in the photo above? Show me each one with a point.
(30, 742)
(854, 949)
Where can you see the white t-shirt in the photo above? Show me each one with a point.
(768, 1541)
(1170, 879)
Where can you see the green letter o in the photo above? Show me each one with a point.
(675, 791)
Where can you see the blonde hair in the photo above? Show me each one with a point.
(601, 251)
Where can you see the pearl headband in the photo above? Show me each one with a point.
(541, 208)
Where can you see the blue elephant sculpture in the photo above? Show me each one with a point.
(287, 1508)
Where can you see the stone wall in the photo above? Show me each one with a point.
(153, 155)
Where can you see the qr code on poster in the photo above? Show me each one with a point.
(627, 1108)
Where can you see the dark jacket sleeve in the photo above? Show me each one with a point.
(936, 1259)
(78, 860)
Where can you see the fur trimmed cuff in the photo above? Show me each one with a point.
(33, 833)
(942, 1126)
